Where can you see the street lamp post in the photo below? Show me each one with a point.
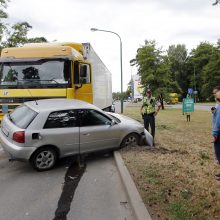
(132, 63)
(96, 29)
(194, 74)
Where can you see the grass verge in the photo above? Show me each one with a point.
(176, 178)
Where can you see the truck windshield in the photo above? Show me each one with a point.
(35, 74)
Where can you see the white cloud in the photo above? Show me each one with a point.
(168, 22)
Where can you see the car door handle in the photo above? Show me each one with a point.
(86, 134)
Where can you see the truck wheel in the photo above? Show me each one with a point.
(130, 140)
(44, 159)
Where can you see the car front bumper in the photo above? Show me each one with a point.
(148, 138)
(15, 151)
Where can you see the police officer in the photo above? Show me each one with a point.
(149, 111)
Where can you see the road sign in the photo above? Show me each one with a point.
(190, 91)
(188, 105)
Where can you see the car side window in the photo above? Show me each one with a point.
(92, 118)
(62, 119)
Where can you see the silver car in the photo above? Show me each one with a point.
(45, 130)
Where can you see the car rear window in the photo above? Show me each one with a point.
(22, 116)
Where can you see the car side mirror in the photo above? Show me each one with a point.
(113, 123)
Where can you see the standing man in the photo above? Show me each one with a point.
(215, 90)
(216, 129)
(149, 111)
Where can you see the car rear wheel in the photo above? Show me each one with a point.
(44, 159)
(130, 140)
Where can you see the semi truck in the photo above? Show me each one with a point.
(53, 70)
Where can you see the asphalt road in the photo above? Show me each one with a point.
(198, 106)
(93, 192)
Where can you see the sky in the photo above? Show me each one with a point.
(167, 22)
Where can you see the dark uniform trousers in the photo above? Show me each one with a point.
(149, 119)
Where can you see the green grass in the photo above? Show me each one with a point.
(179, 211)
(176, 179)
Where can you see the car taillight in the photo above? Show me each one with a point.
(19, 136)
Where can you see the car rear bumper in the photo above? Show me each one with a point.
(15, 151)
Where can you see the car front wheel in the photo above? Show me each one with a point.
(44, 159)
(130, 140)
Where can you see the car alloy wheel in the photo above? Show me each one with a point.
(44, 159)
(130, 140)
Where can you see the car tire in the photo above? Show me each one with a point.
(44, 159)
(130, 140)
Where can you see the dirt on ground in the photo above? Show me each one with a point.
(176, 178)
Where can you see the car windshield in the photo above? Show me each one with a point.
(34, 74)
(22, 116)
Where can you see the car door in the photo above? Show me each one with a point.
(62, 130)
(97, 131)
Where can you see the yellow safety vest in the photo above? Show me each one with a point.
(149, 105)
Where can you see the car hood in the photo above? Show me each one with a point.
(126, 119)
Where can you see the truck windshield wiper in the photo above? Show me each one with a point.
(53, 81)
(37, 80)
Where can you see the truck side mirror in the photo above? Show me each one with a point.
(83, 71)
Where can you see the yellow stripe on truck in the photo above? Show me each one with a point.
(9, 93)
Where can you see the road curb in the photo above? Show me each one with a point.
(136, 202)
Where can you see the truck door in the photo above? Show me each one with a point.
(83, 81)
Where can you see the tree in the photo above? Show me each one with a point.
(211, 74)
(155, 70)
(3, 16)
(37, 40)
(119, 96)
(177, 56)
(200, 57)
(16, 34)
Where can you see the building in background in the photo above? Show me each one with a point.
(136, 88)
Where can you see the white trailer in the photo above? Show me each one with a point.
(102, 79)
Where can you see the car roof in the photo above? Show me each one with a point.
(59, 104)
